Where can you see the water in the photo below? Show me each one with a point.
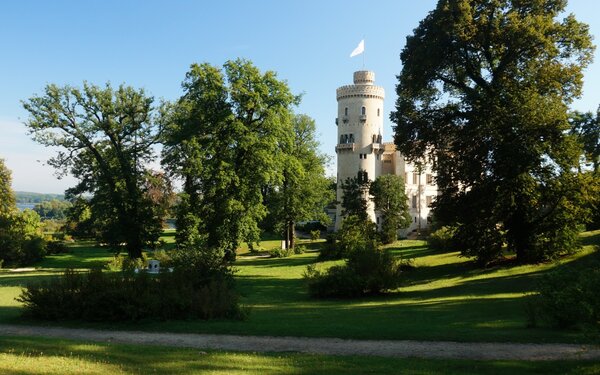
(23, 206)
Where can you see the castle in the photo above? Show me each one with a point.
(362, 153)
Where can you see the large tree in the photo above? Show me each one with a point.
(391, 201)
(106, 139)
(304, 190)
(224, 139)
(484, 93)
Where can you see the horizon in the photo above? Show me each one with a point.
(151, 45)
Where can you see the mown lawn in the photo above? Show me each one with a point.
(52, 356)
(444, 298)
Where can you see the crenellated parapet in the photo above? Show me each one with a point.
(360, 91)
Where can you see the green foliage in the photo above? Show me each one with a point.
(354, 234)
(442, 239)
(354, 197)
(223, 138)
(164, 257)
(586, 127)
(106, 139)
(7, 196)
(28, 197)
(304, 191)
(390, 200)
(299, 249)
(107, 297)
(56, 247)
(281, 253)
(567, 299)
(484, 93)
(123, 262)
(368, 271)
(20, 240)
(54, 209)
(315, 235)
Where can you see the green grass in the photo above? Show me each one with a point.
(53, 356)
(444, 298)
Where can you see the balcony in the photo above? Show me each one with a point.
(345, 119)
(344, 147)
(363, 118)
(377, 147)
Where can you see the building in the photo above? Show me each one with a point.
(362, 153)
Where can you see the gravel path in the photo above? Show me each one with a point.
(327, 346)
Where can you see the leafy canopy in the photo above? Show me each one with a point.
(484, 93)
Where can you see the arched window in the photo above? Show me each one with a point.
(377, 112)
(363, 111)
(346, 111)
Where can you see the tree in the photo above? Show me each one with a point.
(224, 139)
(586, 127)
(20, 243)
(483, 94)
(354, 197)
(107, 137)
(54, 209)
(7, 197)
(304, 190)
(391, 201)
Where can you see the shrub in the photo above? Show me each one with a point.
(354, 234)
(281, 253)
(185, 293)
(567, 299)
(300, 249)
(163, 257)
(56, 247)
(315, 235)
(122, 262)
(367, 271)
(442, 239)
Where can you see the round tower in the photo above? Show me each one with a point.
(360, 131)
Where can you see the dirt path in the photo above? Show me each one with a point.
(327, 346)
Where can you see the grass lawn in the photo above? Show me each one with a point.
(53, 356)
(444, 298)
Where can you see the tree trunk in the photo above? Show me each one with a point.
(291, 230)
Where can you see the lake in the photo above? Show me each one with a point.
(22, 206)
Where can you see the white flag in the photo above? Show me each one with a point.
(358, 50)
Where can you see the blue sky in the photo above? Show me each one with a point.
(151, 44)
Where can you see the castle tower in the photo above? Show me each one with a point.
(360, 132)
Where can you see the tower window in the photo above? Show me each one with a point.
(414, 201)
(377, 112)
(346, 111)
(363, 111)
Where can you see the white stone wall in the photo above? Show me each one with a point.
(354, 123)
(363, 152)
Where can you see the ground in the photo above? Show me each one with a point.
(444, 298)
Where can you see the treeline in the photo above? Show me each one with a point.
(28, 197)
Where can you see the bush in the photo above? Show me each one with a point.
(354, 234)
(163, 257)
(315, 235)
(281, 253)
(56, 247)
(368, 271)
(122, 262)
(442, 239)
(311, 226)
(300, 249)
(567, 299)
(185, 293)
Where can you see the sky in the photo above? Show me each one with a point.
(151, 44)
